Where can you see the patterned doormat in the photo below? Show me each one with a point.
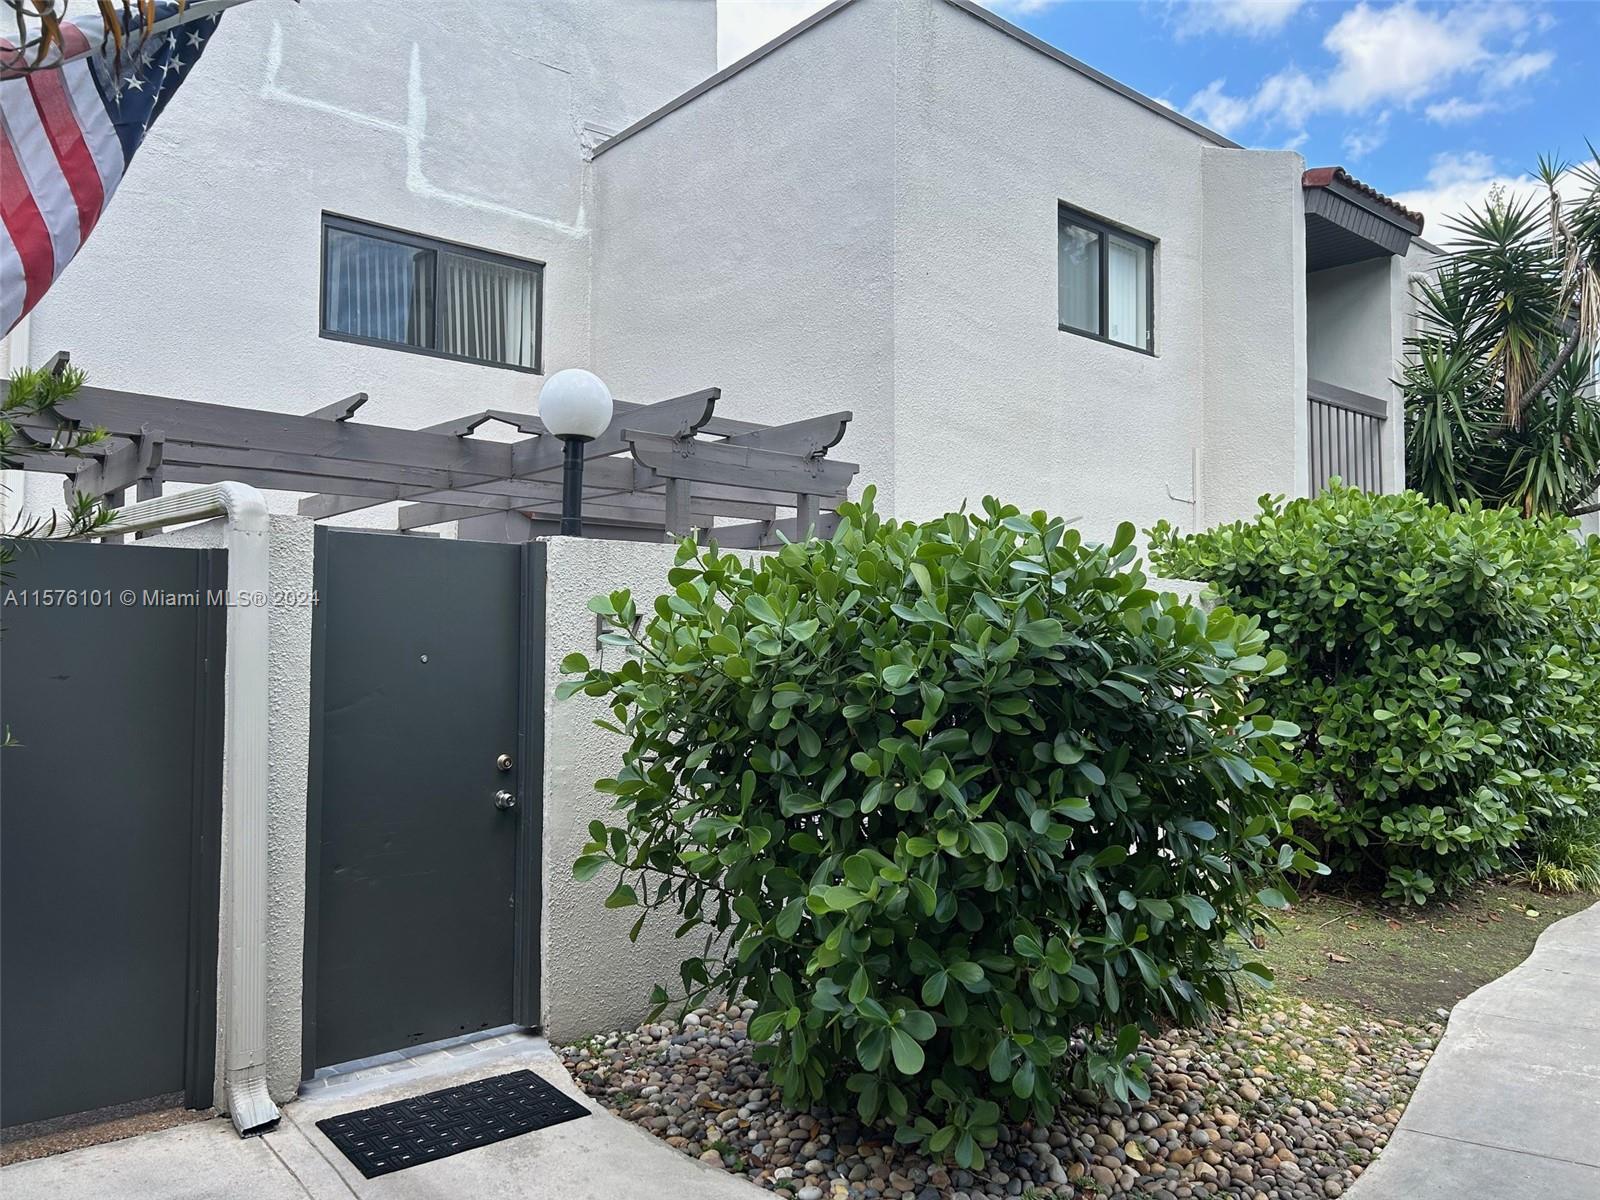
(392, 1137)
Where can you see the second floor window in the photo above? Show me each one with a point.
(387, 287)
(1105, 281)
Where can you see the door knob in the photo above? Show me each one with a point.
(504, 799)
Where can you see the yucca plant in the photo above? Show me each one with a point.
(1500, 399)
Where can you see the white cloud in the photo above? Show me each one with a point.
(1395, 55)
(1459, 181)
(1212, 106)
(746, 25)
(1455, 109)
(1358, 143)
(1512, 71)
(1253, 18)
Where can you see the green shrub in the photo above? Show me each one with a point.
(943, 798)
(1444, 665)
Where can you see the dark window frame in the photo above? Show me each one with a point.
(405, 237)
(1067, 215)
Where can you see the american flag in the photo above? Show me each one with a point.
(68, 133)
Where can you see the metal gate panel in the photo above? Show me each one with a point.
(112, 690)
(421, 884)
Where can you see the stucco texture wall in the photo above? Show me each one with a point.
(991, 395)
(465, 122)
(1254, 308)
(288, 750)
(746, 242)
(592, 977)
(896, 253)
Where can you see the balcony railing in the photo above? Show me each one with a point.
(1346, 437)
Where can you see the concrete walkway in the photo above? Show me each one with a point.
(1510, 1104)
(599, 1157)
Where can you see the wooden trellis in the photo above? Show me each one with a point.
(659, 470)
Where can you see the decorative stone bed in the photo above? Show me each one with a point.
(1284, 1101)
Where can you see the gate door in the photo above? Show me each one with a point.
(111, 691)
(421, 926)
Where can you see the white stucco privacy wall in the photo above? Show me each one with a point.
(466, 122)
(592, 977)
(288, 742)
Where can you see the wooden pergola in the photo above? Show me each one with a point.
(660, 470)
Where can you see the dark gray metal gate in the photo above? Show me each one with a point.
(112, 690)
(423, 814)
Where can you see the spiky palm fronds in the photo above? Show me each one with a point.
(1500, 403)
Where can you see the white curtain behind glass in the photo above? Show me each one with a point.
(379, 289)
(491, 311)
(1127, 300)
(1079, 282)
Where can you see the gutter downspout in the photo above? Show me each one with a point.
(244, 786)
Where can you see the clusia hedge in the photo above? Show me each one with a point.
(961, 804)
(1444, 665)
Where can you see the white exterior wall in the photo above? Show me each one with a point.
(991, 395)
(1256, 428)
(747, 239)
(465, 122)
(895, 253)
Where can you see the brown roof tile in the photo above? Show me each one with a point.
(1321, 177)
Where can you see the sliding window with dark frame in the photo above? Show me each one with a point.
(1106, 282)
(387, 287)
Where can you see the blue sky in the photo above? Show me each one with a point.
(1431, 102)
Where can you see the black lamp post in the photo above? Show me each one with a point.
(575, 406)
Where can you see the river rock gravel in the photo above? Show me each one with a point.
(1285, 1101)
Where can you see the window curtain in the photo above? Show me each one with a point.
(379, 289)
(1079, 278)
(1128, 302)
(491, 311)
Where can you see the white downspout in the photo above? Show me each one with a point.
(244, 786)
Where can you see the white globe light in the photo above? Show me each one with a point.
(575, 404)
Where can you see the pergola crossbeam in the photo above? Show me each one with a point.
(672, 466)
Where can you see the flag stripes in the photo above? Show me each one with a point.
(67, 135)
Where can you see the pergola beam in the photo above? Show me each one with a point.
(762, 534)
(810, 436)
(128, 414)
(735, 465)
(645, 506)
(340, 410)
(679, 417)
(671, 466)
(680, 412)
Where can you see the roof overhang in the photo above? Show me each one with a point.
(1349, 222)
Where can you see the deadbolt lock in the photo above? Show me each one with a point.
(504, 762)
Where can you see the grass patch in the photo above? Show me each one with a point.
(1409, 963)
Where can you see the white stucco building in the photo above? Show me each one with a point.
(1023, 277)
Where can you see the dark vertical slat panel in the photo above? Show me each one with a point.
(1345, 443)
